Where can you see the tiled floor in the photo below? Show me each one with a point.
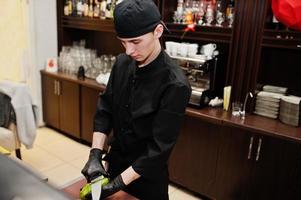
(61, 159)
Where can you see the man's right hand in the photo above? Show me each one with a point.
(94, 167)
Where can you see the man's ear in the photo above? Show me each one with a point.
(158, 30)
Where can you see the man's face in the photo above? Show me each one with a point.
(139, 48)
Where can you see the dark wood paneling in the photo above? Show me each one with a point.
(285, 65)
(247, 33)
(89, 97)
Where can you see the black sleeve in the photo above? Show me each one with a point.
(103, 115)
(166, 126)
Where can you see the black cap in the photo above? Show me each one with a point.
(133, 18)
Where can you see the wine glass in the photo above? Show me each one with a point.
(201, 13)
(220, 18)
(230, 19)
(178, 17)
(209, 15)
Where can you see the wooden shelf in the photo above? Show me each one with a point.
(85, 23)
(282, 39)
(202, 33)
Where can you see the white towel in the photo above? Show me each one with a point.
(25, 110)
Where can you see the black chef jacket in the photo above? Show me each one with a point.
(144, 106)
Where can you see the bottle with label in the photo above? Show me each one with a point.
(108, 10)
(74, 7)
(70, 8)
(86, 8)
(90, 13)
(180, 6)
(66, 8)
(79, 8)
(103, 7)
(113, 4)
(230, 13)
(96, 9)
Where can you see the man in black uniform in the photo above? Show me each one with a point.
(144, 104)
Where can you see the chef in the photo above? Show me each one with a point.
(143, 105)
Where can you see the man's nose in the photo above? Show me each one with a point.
(129, 49)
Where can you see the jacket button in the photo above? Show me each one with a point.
(127, 105)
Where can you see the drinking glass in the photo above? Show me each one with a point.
(236, 108)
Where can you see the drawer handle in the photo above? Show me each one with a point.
(250, 147)
(258, 149)
(58, 88)
(55, 88)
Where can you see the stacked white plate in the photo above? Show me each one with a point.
(267, 104)
(290, 110)
(274, 89)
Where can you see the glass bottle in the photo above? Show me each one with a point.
(66, 8)
(180, 6)
(96, 9)
(74, 7)
(79, 8)
(230, 13)
(108, 10)
(90, 13)
(86, 8)
(103, 7)
(70, 7)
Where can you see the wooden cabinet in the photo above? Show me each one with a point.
(277, 171)
(233, 166)
(61, 105)
(50, 101)
(89, 97)
(252, 166)
(193, 161)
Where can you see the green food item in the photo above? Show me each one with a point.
(85, 192)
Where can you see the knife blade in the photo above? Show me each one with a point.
(96, 188)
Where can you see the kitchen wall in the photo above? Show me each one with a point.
(13, 39)
(28, 36)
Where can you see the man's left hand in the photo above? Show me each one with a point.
(112, 187)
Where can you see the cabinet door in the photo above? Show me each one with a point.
(89, 99)
(69, 108)
(234, 163)
(277, 171)
(50, 101)
(193, 161)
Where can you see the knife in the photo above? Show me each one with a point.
(96, 188)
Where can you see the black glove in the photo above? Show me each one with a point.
(112, 187)
(94, 167)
